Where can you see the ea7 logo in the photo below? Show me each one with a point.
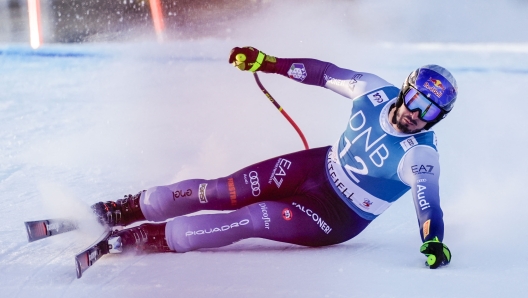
(422, 169)
(279, 172)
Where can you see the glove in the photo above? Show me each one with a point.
(437, 253)
(248, 58)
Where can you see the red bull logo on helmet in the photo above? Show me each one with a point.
(435, 86)
(437, 83)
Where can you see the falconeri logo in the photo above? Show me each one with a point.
(315, 217)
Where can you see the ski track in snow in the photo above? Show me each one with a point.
(92, 122)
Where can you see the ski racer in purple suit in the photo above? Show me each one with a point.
(315, 197)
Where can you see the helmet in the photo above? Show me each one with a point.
(437, 84)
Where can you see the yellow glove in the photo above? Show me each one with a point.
(248, 58)
(436, 252)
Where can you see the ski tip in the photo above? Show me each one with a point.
(78, 267)
(36, 230)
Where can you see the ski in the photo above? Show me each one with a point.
(41, 229)
(104, 245)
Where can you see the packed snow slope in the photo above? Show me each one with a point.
(92, 122)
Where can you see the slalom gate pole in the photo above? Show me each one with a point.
(276, 104)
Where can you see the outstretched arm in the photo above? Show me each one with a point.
(308, 71)
(420, 170)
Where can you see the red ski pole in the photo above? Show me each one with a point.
(276, 104)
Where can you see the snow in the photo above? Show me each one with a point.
(91, 122)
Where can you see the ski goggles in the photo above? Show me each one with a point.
(416, 101)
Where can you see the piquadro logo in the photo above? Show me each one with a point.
(218, 229)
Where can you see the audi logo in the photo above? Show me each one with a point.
(255, 185)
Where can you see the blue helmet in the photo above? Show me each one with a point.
(437, 84)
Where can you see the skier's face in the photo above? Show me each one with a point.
(408, 122)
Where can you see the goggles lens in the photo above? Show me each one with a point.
(416, 101)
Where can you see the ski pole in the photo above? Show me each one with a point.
(276, 104)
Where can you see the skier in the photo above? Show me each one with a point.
(315, 197)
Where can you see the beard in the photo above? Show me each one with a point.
(402, 127)
(405, 129)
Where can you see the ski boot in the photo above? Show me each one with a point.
(143, 238)
(119, 213)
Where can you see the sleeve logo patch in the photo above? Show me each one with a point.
(201, 193)
(426, 226)
(408, 143)
(297, 72)
(378, 97)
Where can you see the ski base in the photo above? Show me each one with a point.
(41, 229)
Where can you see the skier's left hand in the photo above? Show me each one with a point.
(437, 253)
(249, 58)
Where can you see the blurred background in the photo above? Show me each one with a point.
(73, 21)
(70, 21)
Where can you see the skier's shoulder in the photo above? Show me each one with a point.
(373, 79)
(421, 157)
(364, 83)
(420, 140)
(353, 84)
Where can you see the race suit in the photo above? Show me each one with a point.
(315, 197)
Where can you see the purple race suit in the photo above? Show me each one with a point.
(315, 197)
